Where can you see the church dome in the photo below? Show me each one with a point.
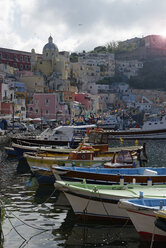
(50, 45)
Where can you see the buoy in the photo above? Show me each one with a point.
(84, 181)
(134, 181)
(136, 142)
(121, 180)
(149, 182)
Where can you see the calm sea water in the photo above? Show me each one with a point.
(40, 217)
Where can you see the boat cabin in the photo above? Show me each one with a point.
(81, 155)
(64, 133)
(97, 136)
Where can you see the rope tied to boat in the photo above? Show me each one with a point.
(153, 234)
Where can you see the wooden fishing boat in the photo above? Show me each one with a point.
(83, 158)
(46, 176)
(61, 136)
(52, 150)
(77, 158)
(38, 162)
(64, 151)
(100, 150)
(151, 129)
(142, 175)
(148, 216)
(101, 201)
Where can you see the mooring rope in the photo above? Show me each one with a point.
(12, 223)
(34, 227)
(153, 234)
(85, 212)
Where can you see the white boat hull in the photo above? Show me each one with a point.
(95, 201)
(144, 223)
(84, 206)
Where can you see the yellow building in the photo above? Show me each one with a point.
(51, 61)
(33, 83)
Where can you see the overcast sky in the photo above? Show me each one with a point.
(77, 25)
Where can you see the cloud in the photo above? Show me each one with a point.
(78, 25)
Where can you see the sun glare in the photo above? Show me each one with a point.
(163, 34)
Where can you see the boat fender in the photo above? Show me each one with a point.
(149, 182)
(141, 194)
(121, 180)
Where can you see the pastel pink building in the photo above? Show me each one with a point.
(47, 106)
(84, 99)
(6, 108)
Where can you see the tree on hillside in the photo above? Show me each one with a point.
(112, 46)
(73, 57)
(100, 49)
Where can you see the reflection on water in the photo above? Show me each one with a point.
(95, 235)
(42, 216)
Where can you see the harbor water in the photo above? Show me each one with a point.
(40, 217)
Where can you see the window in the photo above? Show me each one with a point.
(31, 109)
(47, 101)
(37, 101)
(36, 110)
(21, 58)
(26, 59)
(15, 56)
(0, 55)
(7, 56)
(5, 93)
(47, 111)
(21, 67)
(15, 65)
(46, 54)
